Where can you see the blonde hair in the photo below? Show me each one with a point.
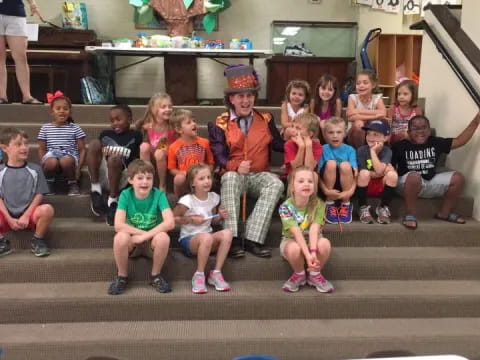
(335, 121)
(192, 172)
(313, 200)
(138, 166)
(178, 116)
(149, 116)
(310, 121)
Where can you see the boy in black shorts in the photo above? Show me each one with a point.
(120, 145)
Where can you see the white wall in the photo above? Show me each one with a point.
(245, 18)
(449, 106)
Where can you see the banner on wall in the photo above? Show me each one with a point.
(379, 4)
(393, 6)
(411, 7)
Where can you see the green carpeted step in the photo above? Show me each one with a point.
(224, 339)
(260, 300)
(354, 263)
(93, 232)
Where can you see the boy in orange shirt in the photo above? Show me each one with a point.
(189, 149)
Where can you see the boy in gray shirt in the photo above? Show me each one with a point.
(376, 177)
(22, 186)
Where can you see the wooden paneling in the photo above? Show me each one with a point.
(282, 69)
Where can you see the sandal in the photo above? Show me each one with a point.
(4, 101)
(32, 101)
(452, 217)
(409, 218)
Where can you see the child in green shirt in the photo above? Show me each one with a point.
(302, 244)
(142, 220)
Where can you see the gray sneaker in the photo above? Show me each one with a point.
(383, 214)
(293, 284)
(216, 279)
(364, 214)
(39, 247)
(318, 281)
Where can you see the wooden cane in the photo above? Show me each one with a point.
(244, 202)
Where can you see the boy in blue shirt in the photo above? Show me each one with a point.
(142, 220)
(338, 171)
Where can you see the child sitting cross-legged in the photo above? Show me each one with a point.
(142, 220)
(22, 185)
(196, 212)
(303, 148)
(338, 171)
(189, 149)
(302, 216)
(376, 176)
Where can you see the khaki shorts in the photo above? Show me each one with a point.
(103, 176)
(285, 240)
(143, 249)
(435, 187)
(13, 26)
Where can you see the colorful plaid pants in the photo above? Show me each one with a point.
(265, 187)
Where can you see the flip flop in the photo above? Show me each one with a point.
(452, 217)
(4, 101)
(410, 218)
(32, 101)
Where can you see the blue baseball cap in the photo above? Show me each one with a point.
(378, 126)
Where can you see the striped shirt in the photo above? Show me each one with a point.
(61, 138)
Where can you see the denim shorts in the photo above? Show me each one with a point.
(185, 245)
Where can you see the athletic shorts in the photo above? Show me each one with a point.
(5, 226)
(103, 176)
(13, 26)
(375, 187)
(435, 187)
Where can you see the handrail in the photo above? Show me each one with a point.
(423, 25)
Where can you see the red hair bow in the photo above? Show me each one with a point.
(51, 97)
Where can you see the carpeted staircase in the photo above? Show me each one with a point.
(395, 289)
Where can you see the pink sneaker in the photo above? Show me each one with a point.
(320, 283)
(198, 284)
(293, 284)
(215, 278)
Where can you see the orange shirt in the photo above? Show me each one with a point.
(182, 155)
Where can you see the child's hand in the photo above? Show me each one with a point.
(23, 221)
(376, 146)
(197, 219)
(334, 194)
(307, 141)
(138, 239)
(244, 167)
(298, 139)
(222, 212)
(312, 263)
(13, 223)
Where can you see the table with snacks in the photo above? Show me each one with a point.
(179, 63)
